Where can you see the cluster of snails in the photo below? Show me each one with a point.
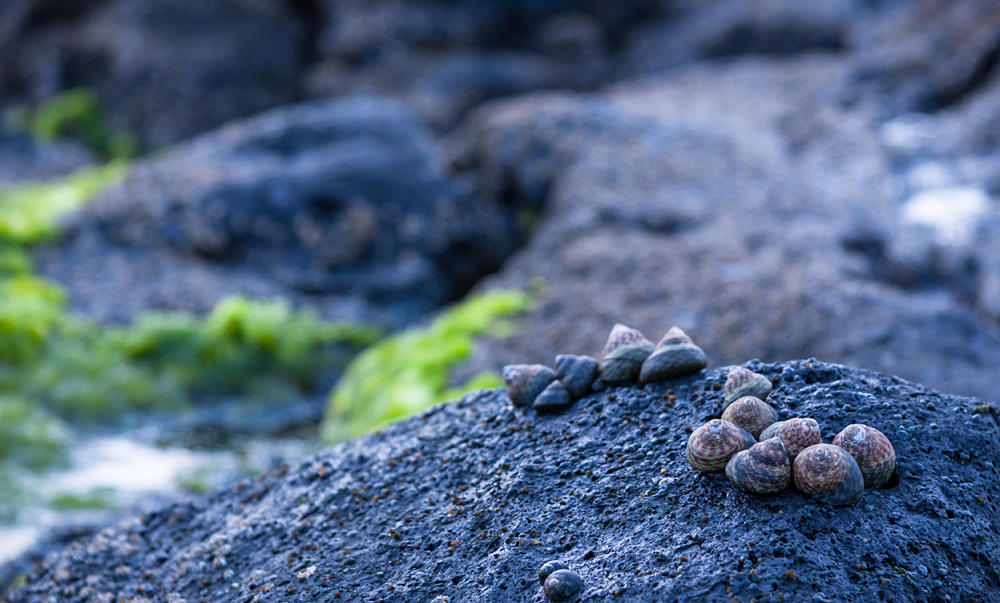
(558, 581)
(787, 451)
(627, 357)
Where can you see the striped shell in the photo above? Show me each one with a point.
(712, 445)
(675, 356)
(872, 450)
(577, 373)
(764, 469)
(830, 474)
(548, 567)
(562, 584)
(623, 354)
(752, 414)
(744, 382)
(525, 381)
(553, 397)
(796, 434)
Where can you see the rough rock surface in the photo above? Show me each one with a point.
(470, 498)
(743, 203)
(344, 205)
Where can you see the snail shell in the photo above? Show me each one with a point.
(675, 356)
(872, 450)
(553, 397)
(763, 469)
(525, 381)
(830, 474)
(577, 373)
(623, 354)
(796, 434)
(744, 382)
(752, 414)
(562, 584)
(548, 567)
(712, 445)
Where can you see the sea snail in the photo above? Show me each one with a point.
(872, 450)
(711, 446)
(830, 474)
(763, 469)
(750, 413)
(744, 382)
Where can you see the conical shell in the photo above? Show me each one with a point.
(675, 356)
(744, 382)
(830, 474)
(796, 434)
(752, 414)
(872, 450)
(553, 397)
(623, 354)
(577, 373)
(562, 584)
(763, 469)
(711, 446)
(548, 567)
(525, 381)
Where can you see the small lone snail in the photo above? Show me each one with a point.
(562, 584)
(624, 354)
(673, 357)
(744, 382)
(763, 469)
(872, 450)
(750, 413)
(525, 381)
(830, 474)
(711, 446)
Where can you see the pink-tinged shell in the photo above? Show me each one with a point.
(872, 450)
(763, 469)
(744, 382)
(624, 354)
(525, 381)
(830, 474)
(752, 414)
(675, 356)
(711, 446)
(796, 434)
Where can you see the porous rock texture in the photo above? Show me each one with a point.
(344, 205)
(470, 498)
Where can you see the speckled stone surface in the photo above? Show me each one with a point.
(469, 499)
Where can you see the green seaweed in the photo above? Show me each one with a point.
(97, 498)
(77, 114)
(30, 213)
(409, 372)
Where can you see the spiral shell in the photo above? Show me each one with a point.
(744, 382)
(830, 474)
(562, 584)
(623, 354)
(673, 357)
(752, 414)
(711, 446)
(763, 469)
(796, 434)
(872, 450)
(577, 373)
(525, 381)
(553, 397)
(548, 567)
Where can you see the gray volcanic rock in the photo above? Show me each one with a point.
(469, 499)
(163, 69)
(22, 159)
(344, 205)
(744, 204)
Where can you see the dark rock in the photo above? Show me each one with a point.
(471, 498)
(742, 203)
(163, 69)
(344, 205)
